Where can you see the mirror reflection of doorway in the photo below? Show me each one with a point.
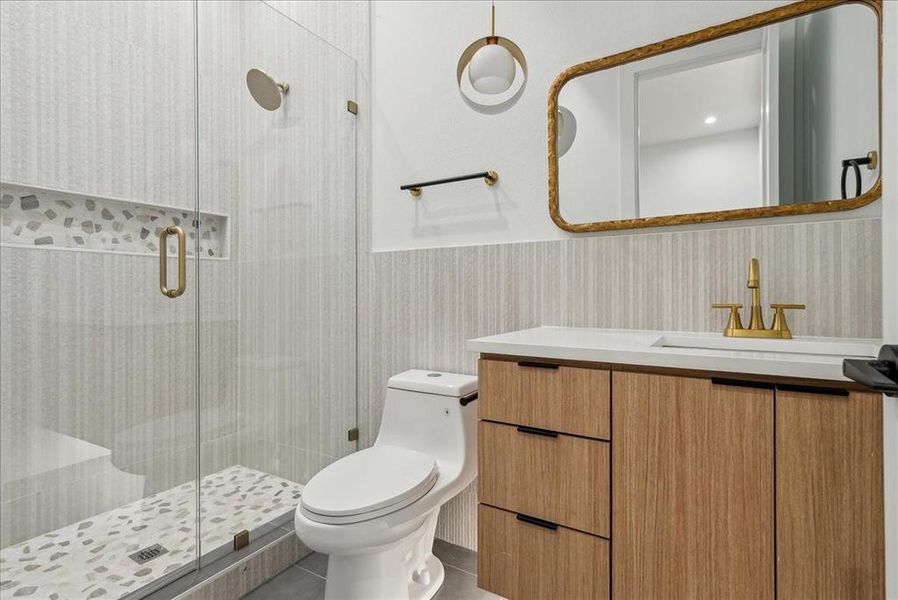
(701, 137)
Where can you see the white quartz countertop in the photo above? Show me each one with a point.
(804, 357)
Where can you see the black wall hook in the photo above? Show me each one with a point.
(870, 160)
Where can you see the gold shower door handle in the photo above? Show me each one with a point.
(163, 261)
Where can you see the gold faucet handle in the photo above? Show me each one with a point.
(779, 318)
(735, 321)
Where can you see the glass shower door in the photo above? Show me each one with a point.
(143, 426)
(98, 368)
(278, 334)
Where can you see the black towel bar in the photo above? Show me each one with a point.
(489, 177)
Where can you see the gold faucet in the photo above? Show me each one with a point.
(779, 328)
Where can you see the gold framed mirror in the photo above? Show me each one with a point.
(764, 116)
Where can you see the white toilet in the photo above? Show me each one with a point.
(374, 512)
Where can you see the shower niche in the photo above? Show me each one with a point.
(42, 218)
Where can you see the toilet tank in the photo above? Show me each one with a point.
(423, 411)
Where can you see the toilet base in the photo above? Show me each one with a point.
(404, 570)
(436, 575)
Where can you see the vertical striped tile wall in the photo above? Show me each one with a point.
(417, 308)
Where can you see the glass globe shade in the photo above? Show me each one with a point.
(492, 69)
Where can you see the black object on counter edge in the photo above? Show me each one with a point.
(880, 375)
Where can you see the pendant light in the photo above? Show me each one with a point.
(496, 71)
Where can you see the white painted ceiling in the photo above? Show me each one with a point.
(674, 106)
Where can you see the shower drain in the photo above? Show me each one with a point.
(147, 554)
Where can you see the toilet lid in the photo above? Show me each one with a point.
(380, 479)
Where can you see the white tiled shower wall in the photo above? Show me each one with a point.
(90, 348)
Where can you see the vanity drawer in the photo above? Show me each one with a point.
(558, 398)
(559, 478)
(519, 560)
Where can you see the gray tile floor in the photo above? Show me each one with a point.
(305, 580)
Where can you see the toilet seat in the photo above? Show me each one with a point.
(368, 484)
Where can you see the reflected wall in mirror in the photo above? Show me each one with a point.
(769, 115)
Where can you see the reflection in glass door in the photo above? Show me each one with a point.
(98, 386)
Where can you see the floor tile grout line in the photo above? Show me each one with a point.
(301, 568)
(445, 564)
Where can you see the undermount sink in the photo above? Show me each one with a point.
(793, 346)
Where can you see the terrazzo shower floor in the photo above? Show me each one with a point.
(90, 559)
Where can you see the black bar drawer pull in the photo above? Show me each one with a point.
(536, 365)
(537, 522)
(741, 383)
(537, 431)
(810, 389)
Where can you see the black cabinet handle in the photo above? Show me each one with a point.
(741, 383)
(785, 387)
(537, 522)
(537, 431)
(810, 389)
(536, 365)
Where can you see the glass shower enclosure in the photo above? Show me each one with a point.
(177, 286)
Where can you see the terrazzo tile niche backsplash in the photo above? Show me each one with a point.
(55, 219)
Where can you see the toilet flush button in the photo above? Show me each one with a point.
(434, 374)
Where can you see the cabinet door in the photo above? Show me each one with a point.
(692, 489)
(830, 537)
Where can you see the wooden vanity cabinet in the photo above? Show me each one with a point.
(545, 480)
(605, 480)
(829, 503)
(692, 501)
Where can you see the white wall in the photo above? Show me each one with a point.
(712, 172)
(422, 128)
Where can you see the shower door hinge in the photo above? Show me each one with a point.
(241, 539)
(352, 107)
(353, 434)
